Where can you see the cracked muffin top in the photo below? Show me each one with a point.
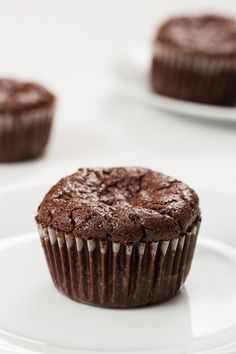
(207, 34)
(120, 204)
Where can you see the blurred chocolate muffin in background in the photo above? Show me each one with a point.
(194, 59)
(26, 114)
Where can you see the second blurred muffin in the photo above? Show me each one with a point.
(26, 113)
(194, 59)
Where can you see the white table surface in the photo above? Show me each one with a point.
(71, 46)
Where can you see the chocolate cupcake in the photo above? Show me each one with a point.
(119, 237)
(26, 113)
(194, 59)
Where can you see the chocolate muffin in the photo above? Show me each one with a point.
(194, 59)
(26, 113)
(119, 237)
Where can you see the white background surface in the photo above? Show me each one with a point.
(71, 46)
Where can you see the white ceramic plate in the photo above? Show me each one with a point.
(36, 318)
(133, 71)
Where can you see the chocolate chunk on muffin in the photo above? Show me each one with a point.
(194, 59)
(119, 237)
(26, 114)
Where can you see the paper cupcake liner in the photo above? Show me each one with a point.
(193, 77)
(24, 135)
(112, 274)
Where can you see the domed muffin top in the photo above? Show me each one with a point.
(121, 204)
(209, 34)
(16, 96)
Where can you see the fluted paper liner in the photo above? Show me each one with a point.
(192, 76)
(25, 134)
(113, 274)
